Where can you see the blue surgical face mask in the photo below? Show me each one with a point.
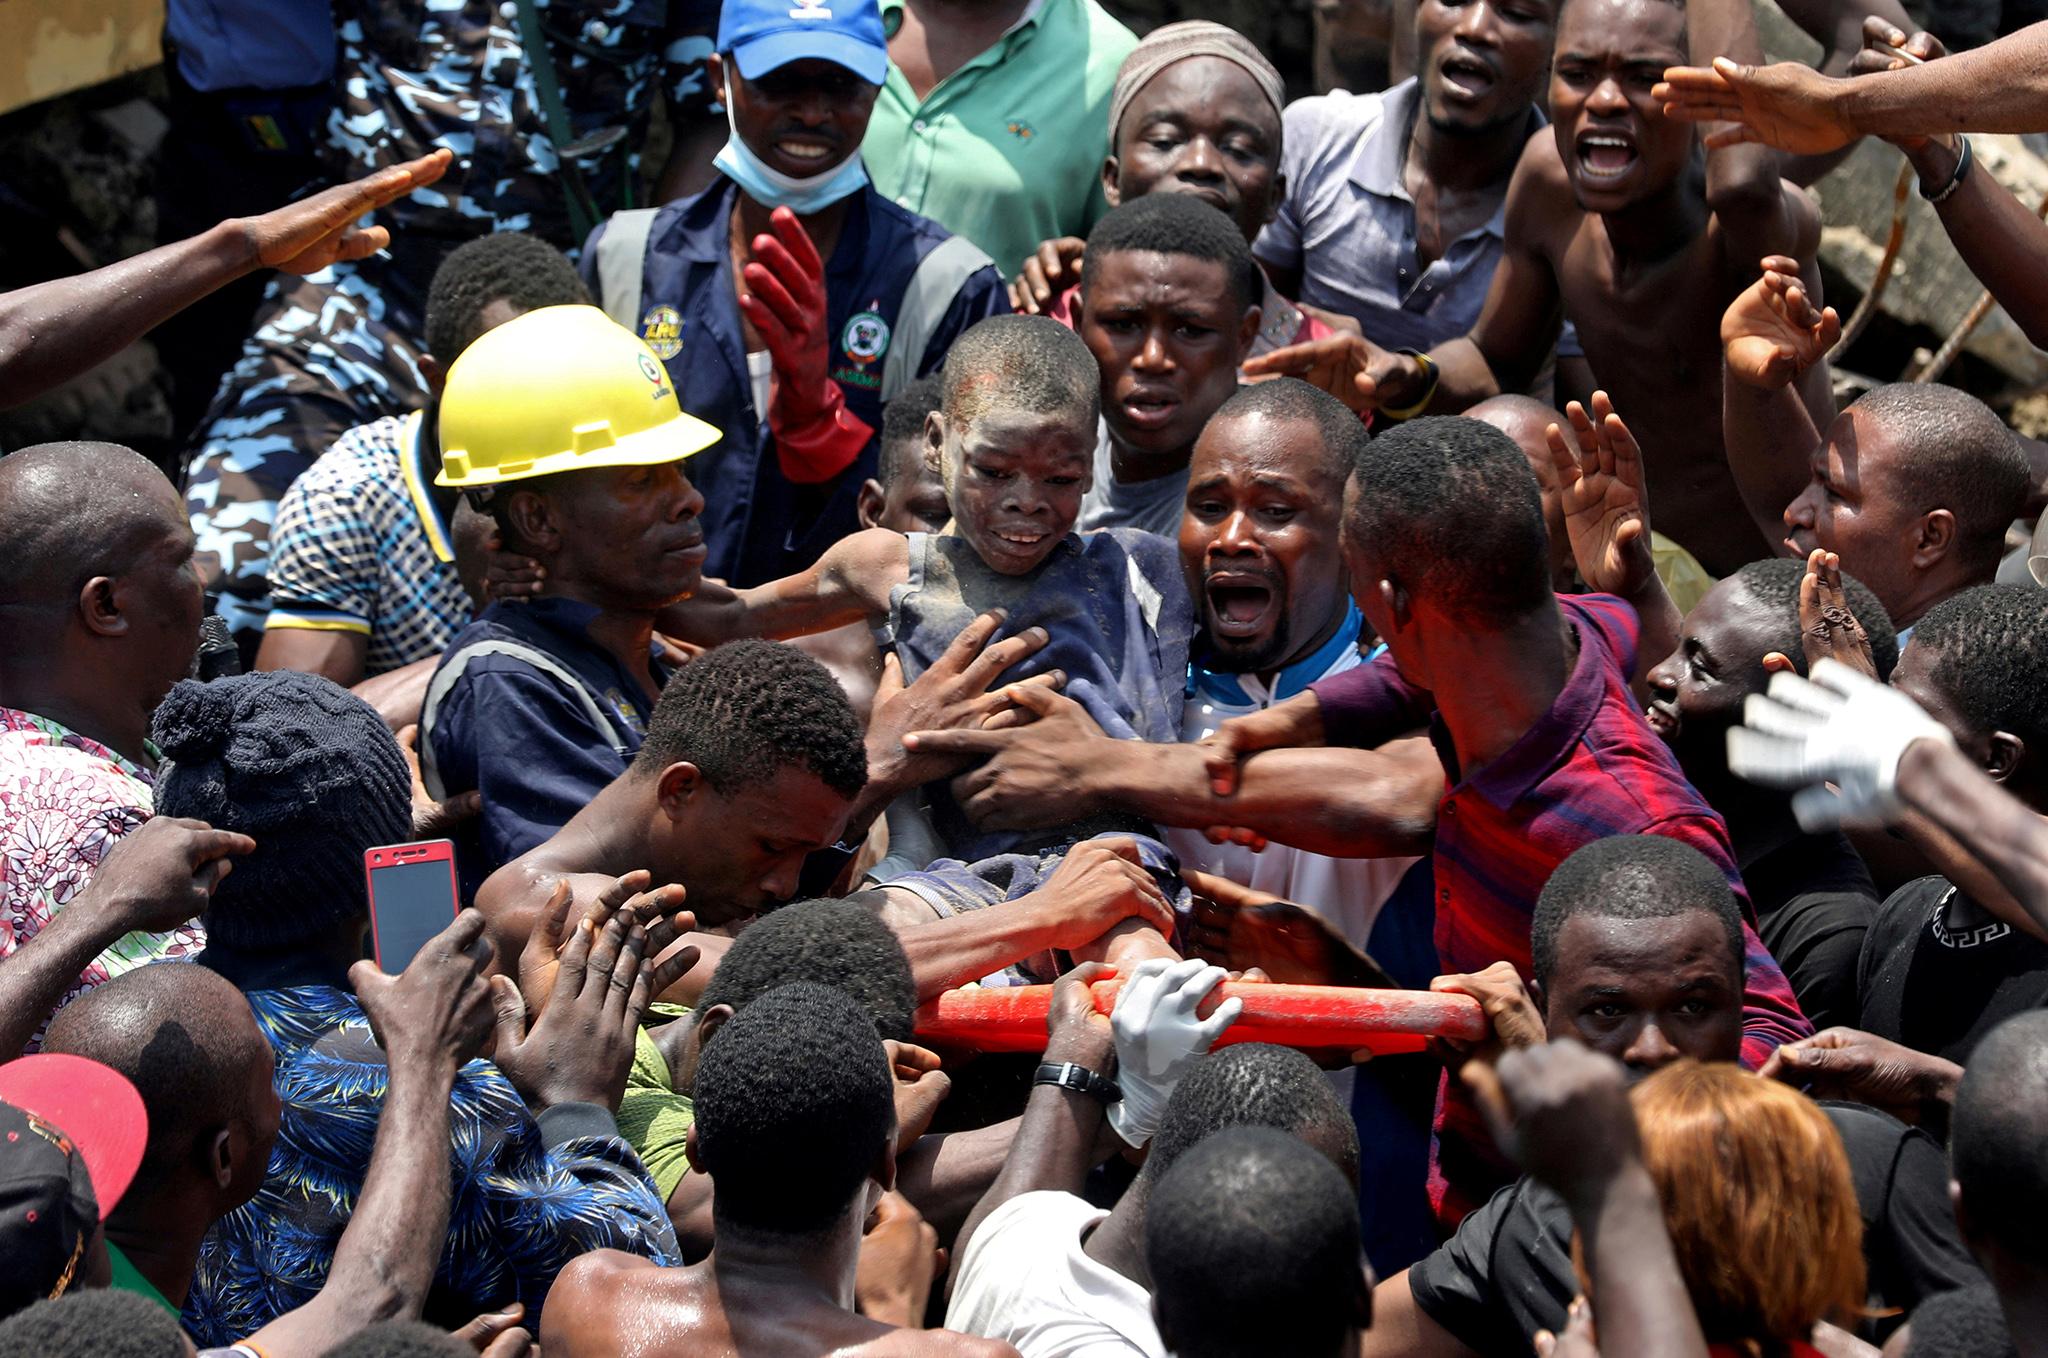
(773, 188)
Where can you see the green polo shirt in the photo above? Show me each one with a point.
(1008, 150)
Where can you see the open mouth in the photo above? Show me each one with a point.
(1799, 544)
(1466, 76)
(1663, 719)
(1605, 156)
(1239, 607)
(1018, 539)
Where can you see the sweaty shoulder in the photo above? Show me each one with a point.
(585, 1298)
(1540, 198)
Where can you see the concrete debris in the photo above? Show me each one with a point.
(1930, 288)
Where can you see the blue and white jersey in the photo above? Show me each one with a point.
(1346, 893)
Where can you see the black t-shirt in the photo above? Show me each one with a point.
(1938, 988)
(1507, 1273)
(1814, 903)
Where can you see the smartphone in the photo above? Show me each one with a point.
(412, 898)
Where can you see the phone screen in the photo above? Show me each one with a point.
(411, 902)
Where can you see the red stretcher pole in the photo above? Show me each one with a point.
(1012, 1018)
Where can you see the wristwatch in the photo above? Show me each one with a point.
(1080, 1079)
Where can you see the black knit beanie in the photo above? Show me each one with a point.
(306, 769)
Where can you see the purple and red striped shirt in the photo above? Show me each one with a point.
(1591, 767)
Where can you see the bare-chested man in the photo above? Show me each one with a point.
(799, 1163)
(1618, 222)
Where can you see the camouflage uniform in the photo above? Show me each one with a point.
(341, 348)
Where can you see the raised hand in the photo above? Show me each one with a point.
(1787, 105)
(309, 235)
(1051, 269)
(1771, 333)
(1828, 629)
(1600, 489)
(1097, 886)
(1350, 367)
(436, 1013)
(816, 436)
(785, 303)
(657, 910)
(581, 1048)
(1847, 1063)
(160, 874)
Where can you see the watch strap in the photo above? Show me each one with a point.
(1080, 1079)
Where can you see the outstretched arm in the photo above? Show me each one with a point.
(2000, 87)
(51, 332)
(1744, 187)
(849, 583)
(157, 878)
(1861, 753)
(1340, 802)
(1516, 328)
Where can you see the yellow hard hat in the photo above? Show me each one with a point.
(557, 390)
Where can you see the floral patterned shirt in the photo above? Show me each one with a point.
(64, 800)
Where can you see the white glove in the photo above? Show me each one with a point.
(1838, 727)
(1158, 1037)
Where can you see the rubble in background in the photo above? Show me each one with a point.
(1930, 290)
(77, 184)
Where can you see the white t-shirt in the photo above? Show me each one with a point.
(1026, 1280)
(760, 372)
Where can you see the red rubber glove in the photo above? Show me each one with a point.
(816, 436)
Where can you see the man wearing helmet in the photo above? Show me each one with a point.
(564, 428)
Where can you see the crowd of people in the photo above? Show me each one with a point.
(1006, 503)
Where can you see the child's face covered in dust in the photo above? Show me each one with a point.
(1016, 478)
